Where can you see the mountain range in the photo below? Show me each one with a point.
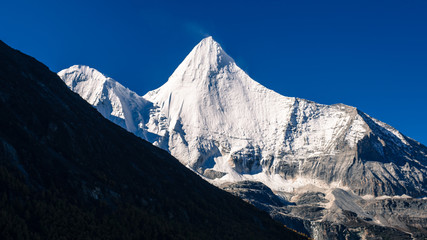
(68, 173)
(319, 166)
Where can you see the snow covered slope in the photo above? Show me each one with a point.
(110, 98)
(218, 121)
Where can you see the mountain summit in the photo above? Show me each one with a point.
(208, 56)
(227, 127)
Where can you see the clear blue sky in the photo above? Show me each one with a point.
(368, 54)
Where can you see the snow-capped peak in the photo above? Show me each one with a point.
(115, 102)
(209, 54)
(86, 80)
(206, 57)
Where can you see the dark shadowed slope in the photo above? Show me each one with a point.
(68, 173)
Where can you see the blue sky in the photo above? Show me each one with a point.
(368, 54)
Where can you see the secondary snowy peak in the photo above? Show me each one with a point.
(115, 102)
(86, 81)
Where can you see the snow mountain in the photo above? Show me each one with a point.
(66, 172)
(227, 127)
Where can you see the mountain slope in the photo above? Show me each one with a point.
(66, 172)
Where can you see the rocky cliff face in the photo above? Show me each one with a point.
(338, 214)
(222, 124)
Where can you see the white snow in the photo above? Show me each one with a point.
(111, 99)
(392, 130)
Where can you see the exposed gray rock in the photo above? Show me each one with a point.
(212, 174)
(312, 213)
(407, 214)
(311, 198)
(256, 193)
